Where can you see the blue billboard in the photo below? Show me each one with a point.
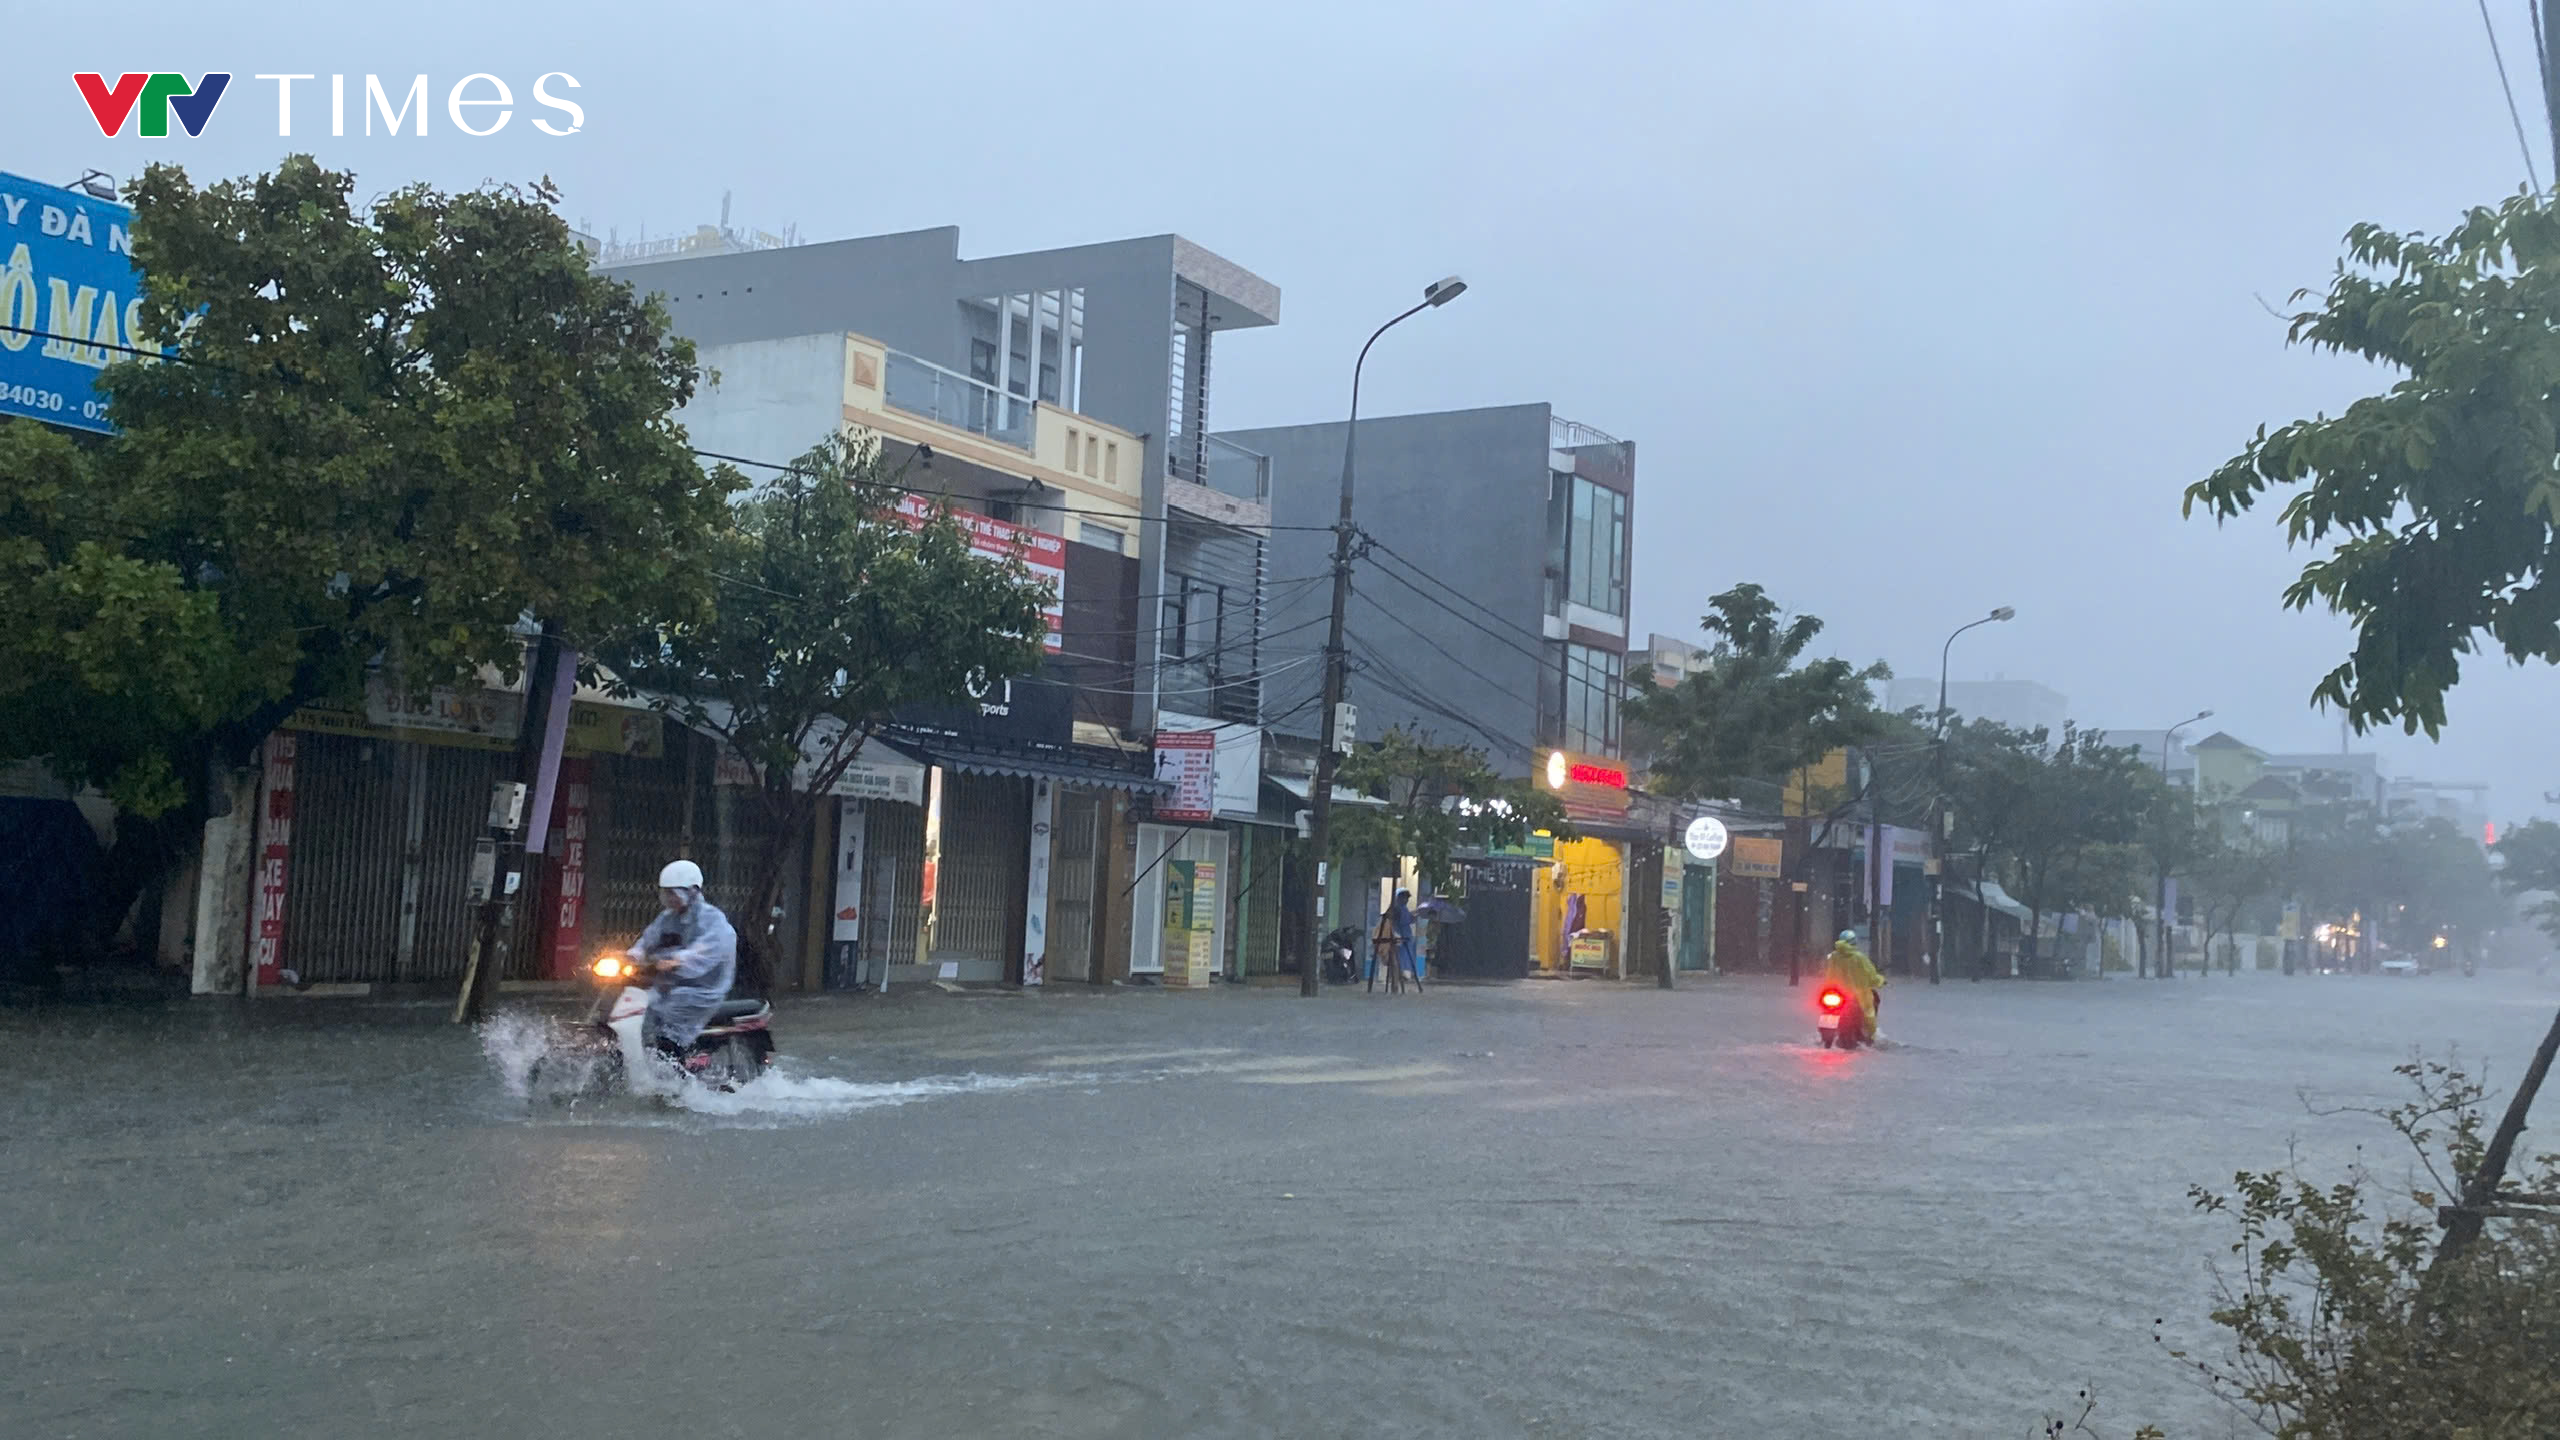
(69, 298)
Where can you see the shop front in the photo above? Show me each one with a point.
(1012, 846)
(366, 820)
(1579, 903)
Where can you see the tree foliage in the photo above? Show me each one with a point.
(2531, 856)
(835, 613)
(1758, 710)
(2338, 1329)
(389, 436)
(1436, 799)
(2437, 502)
(2078, 795)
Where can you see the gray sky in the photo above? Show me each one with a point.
(1912, 309)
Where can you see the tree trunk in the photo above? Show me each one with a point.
(758, 964)
(2462, 1222)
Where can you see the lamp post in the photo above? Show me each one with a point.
(2160, 902)
(1320, 795)
(1938, 810)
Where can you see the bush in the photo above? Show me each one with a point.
(2339, 1326)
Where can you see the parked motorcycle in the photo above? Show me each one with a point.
(1341, 955)
(733, 1049)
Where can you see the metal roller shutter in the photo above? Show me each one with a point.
(986, 844)
(1072, 882)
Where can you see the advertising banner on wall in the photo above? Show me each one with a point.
(1044, 555)
(1188, 760)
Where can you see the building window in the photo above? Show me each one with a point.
(1596, 549)
(1111, 462)
(1103, 537)
(1593, 680)
(982, 361)
(1092, 456)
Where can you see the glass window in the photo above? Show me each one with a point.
(1559, 538)
(1596, 565)
(1103, 537)
(1592, 680)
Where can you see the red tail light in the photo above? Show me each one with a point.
(1833, 999)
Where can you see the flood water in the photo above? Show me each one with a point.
(1563, 1209)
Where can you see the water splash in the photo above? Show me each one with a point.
(515, 1043)
(781, 1094)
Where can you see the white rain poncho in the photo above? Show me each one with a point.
(705, 948)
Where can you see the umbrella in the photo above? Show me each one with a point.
(1441, 910)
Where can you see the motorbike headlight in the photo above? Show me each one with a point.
(611, 967)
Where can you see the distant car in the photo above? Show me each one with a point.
(2399, 965)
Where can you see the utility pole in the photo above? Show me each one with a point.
(1320, 794)
(550, 681)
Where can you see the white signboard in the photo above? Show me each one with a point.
(1188, 760)
(1706, 838)
(1035, 912)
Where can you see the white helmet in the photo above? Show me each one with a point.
(680, 875)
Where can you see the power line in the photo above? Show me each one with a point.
(2513, 114)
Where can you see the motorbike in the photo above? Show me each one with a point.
(1341, 955)
(734, 1048)
(1837, 1018)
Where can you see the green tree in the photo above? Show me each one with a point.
(1990, 775)
(389, 438)
(2436, 503)
(2530, 869)
(2076, 795)
(836, 613)
(1757, 710)
(2227, 875)
(1435, 799)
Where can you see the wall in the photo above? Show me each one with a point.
(1417, 475)
(768, 399)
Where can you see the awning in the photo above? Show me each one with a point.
(1082, 765)
(1990, 894)
(1305, 789)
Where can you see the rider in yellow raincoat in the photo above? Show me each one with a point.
(1848, 967)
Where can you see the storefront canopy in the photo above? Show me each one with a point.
(1081, 765)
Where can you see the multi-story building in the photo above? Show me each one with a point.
(2018, 704)
(1064, 395)
(1491, 612)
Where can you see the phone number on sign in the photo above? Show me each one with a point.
(48, 402)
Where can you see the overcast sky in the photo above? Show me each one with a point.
(1911, 309)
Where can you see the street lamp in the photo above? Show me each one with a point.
(1320, 796)
(1938, 762)
(2160, 902)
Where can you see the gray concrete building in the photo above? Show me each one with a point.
(1494, 611)
(1122, 332)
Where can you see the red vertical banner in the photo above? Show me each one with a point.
(569, 869)
(275, 851)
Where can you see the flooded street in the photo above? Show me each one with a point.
(1553, 1209)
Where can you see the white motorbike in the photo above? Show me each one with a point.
(734, 1048)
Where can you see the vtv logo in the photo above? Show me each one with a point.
(157, 96)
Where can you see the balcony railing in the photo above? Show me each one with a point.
(1570, 435)
(1234, 470)
(923, 388)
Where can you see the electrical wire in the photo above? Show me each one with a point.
(792, 468)
(2513, 114)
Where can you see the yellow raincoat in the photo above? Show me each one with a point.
(1849, 968)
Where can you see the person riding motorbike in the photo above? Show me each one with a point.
(694, 950)
(1848, 967)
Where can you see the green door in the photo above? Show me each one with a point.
(1697, 912)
